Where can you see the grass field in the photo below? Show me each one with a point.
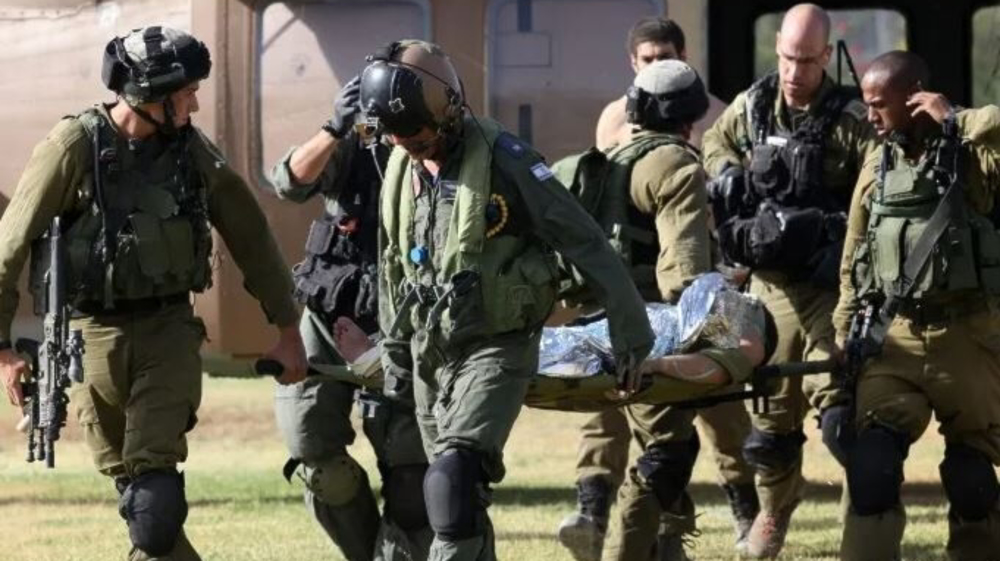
(242, 509)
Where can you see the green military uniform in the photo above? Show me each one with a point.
(667, 188)
(466, 283)
(142, 370)
(942, 352)
(801, 310)
(314, 415)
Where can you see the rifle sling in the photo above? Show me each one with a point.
(922, 250)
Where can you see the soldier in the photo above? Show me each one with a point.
(470, 215)
(922, 247)
(667, 205)
(604, 445)
(336, 280)
(139, 241)
(786, 154)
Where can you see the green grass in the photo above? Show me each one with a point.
(242, 509)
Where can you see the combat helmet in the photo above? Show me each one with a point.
(408, 85)
(665, 95)
(150, 63)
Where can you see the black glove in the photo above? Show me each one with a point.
(726, 193)
(345, 109)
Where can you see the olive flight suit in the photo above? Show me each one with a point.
(314, 415)
(941, 354)
(801, 309)
(141, 362)
(467, 279)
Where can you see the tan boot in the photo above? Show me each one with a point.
(767, 535)
(583, 532)
(873, 538)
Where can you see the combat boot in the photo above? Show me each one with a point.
(670, 547)
(745, 506)
(583, 532)
(767, 535)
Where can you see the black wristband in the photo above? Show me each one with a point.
(5, 344)
(950, 125)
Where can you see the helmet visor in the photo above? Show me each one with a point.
(392, 99)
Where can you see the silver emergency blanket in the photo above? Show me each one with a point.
(710, 312)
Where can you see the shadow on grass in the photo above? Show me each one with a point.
(706, 494)
(112, 500)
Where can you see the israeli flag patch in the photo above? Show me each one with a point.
(541, 171)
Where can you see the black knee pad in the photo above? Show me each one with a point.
(455, 491)
(969, 481)
(837, 423)
(773, 450)
(403, 489)
(155, 509)
(875, 469)
(666, 468)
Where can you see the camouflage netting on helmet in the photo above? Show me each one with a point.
(150, 63)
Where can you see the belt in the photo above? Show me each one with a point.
(134, 306)
(927, 313)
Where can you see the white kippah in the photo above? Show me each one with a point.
(665, 76)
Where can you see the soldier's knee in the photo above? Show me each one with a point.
(455, 490)
(334, 481)
(837, 423)
(154, 506)
(875, 469)
(969, 482)
(773, 450)
(404, 496)
(666, 468)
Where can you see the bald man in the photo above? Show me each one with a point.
(941, 353)
(604, 443)
(784, 157)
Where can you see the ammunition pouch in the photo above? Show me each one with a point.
(335, 279)
(805, 243)
(768, 173)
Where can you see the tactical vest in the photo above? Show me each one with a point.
(966, 256)
(144, 232)
(601, 182)
(338, 276)
(513, 286)
(787, 167)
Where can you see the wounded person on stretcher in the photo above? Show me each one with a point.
(714, 336)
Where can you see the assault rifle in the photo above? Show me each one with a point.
(864, 341)
(55, 361)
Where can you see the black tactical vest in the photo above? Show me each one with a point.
(786, 167)
(143, 228)
(338, 276)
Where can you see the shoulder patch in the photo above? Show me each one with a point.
(857, 109)
(541, 171)
(512, 145)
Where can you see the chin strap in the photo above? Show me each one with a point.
(165, 128)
